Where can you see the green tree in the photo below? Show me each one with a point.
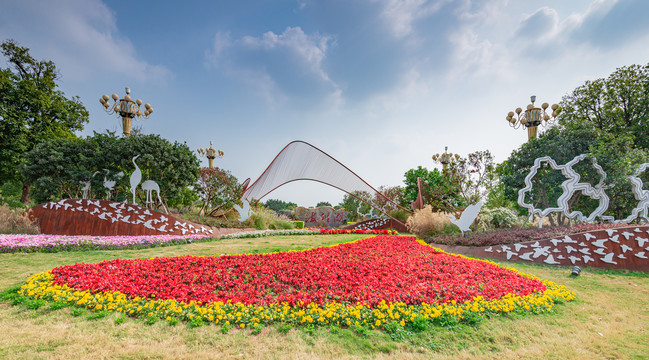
(474, 176)
(323, 203)
(56, 168)
(281, 207)
(618, 104)
(32, 110)
(614, 153)
(355, 209)
(219, 190)
(438, 189)
(393, 195)
(278, 205)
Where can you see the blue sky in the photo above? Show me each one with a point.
(381, 85)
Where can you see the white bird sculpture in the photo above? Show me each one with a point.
(110, 184)
(86, 186)
(149, 186)
(136, 177)
(468, 216)
(243, 212)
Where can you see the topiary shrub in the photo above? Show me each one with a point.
(299, 224)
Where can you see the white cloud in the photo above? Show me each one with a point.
(302, 3)
(539, 26)
(400, 14)
(596, 10)
(275, 65)
(311, 49)
(81, 37)
(222, 41)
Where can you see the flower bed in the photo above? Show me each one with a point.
(307, 231)
(370, 282)
(56, 243)
(359, 231)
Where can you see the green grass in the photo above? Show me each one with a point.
(609, 319)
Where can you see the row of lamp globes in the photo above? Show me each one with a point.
(211, 154)
(126, 108)
(532, 117)
(445, 158)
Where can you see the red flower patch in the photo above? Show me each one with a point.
(390, 268)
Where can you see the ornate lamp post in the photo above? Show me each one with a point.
(533, 117)
(445, 158)
(211, 154)
(126, 108)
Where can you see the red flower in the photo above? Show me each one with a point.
(385, 267)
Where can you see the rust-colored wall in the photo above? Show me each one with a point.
(105, 218)
(379, 224)
(621, 248)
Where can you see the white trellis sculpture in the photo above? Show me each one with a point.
(572, 184)
(642, 209)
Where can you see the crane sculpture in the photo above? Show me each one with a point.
(136, 177)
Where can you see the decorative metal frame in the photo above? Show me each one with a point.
(572, 185)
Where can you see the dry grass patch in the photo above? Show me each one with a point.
(425, 223)
(16, 221)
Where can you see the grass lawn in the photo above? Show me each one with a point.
(609, 319)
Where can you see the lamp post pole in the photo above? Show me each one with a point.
(533, 117)
(445, 158)
(211, 154)
(126, 108)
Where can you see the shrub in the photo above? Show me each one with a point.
(227, 219)
(263, 218)
(399, 214)
(16, 222)
(299, 224)
(498, 218)
(513, 236)
(425, 223)
(10, 193)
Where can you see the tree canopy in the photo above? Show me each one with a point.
(474, 176)
(438, 189)
(219, 190)
(616, 155)
(606, 118)
(618, 104)
(32, 110)
(56, 168)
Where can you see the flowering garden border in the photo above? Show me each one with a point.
(10, 243)
(42, 288)
(308, 231)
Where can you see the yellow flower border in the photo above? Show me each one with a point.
(41, 286)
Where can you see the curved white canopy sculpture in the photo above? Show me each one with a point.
(300, 160)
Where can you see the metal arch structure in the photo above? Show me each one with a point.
(300, 160)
